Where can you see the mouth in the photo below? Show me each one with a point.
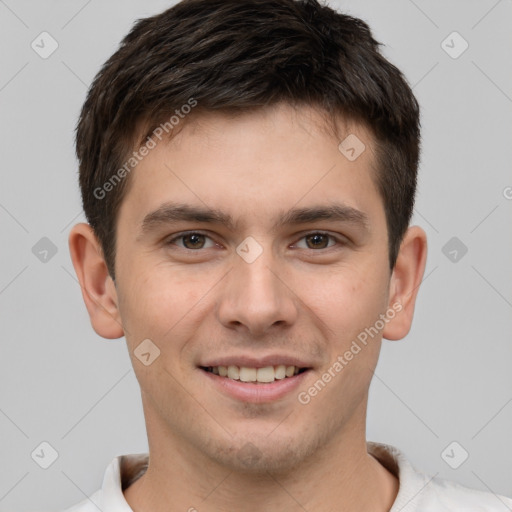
(257, 384)
(265, 375)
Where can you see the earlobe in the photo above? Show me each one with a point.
(405, 282)
(98, 290)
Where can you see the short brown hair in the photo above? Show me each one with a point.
(231, 55)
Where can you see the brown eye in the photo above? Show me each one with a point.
(193, 241)
(317, 241)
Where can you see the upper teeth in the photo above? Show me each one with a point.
(245, 374)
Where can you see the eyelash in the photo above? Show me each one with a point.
(338, 241)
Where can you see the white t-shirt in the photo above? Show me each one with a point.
(417, 492)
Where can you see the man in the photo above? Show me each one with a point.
(248, 171)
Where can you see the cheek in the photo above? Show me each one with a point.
(348, 302)
(160, 302)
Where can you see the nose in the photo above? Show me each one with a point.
(256, 297)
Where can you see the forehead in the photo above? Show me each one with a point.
(255, 164)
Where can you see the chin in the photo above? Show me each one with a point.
(262, 454)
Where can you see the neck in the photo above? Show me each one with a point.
(341, 476)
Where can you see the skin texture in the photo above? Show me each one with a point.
(207, 449)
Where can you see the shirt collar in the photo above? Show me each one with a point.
(411, 481)
(120, 474)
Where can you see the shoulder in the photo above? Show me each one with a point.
(446, 495)
(419, 492)
(120, 473)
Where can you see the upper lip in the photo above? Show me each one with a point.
(249, 361)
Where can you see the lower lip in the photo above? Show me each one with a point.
(256, 392)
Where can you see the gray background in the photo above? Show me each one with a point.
(450, 380)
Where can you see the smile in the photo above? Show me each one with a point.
(257, 383)
(265, 375)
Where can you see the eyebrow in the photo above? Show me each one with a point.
(169, 213)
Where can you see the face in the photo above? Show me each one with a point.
(249, 243)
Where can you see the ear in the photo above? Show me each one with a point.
(405, 282)
(98, 288)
